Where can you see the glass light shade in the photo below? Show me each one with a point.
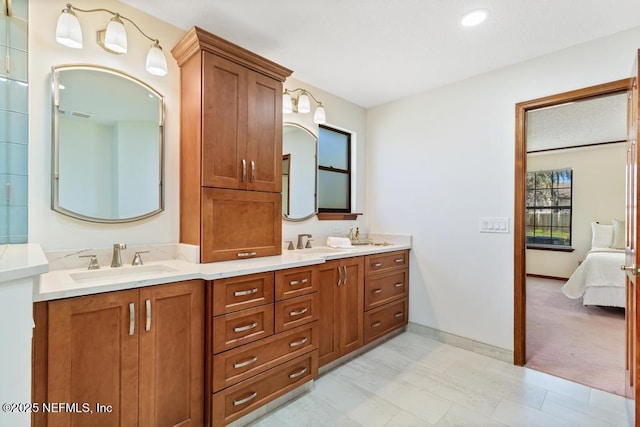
(115, 37)
(319, 116)
(156, 61)
(68, 32)
(304, 106)
(287, 105)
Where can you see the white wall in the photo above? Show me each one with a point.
(598, 195)
(53, 230)
(439, 160)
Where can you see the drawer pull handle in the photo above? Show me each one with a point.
(243, 293)
(148, 319)
(297, 343)
(297, 374)
(244, 170)
(245, 328)
(399, 314)
(132, 318)
(246, 399)
(376, 291)
(246, 254)
(399, 260)
(298, 282)
(245, 363)
(299, 312)
(377, 264)
(399, 285)
(376, 324)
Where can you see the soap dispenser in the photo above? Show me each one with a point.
(350, 235)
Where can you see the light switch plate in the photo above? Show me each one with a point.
(494, 224)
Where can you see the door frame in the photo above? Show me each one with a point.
(519, 261)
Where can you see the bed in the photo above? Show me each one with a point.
(599, 279)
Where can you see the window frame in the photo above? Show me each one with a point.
(554, 185)
(348, 171)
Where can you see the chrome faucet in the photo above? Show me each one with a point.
(300, 236)
(116, 259)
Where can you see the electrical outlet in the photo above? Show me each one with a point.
(337, 230)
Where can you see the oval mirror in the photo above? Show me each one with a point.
(299, 166)
(107, 149)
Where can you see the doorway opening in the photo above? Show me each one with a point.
(555, 238)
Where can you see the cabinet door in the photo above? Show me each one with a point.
(264, 139)
(240, 224)
(351, 305)
(171, 319)
(224, 123)
(329, 345)
(93, 358)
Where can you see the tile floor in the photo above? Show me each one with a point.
(412, 380)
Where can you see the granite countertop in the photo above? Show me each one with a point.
(73, 282)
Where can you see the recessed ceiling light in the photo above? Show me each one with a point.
(474, 17)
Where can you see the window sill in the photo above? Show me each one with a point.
(337, 216)
(556, 248)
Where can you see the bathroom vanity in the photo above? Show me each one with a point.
(208, 344)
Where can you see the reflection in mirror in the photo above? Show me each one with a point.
(107, 145)
(299, 165)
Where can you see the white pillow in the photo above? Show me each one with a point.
(618, 234)
(601, 235)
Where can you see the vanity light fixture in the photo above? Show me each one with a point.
(113, 39)
(302, 104)
(474, 17)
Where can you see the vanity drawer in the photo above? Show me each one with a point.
(232, 403)
(235, 365)
(238, 293)
(386, 262)
(234, 329)
(381, 289)
(296, 281)
(296, 311)
(384, 319)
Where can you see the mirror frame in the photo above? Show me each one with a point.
(55, 140)
(315, 174)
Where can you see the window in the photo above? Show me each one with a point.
(548, 221)
(334, 170)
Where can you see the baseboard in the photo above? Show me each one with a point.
(465, 343)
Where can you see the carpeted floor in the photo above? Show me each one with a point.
(568, 340)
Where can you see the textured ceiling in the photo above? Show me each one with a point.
(375, 51)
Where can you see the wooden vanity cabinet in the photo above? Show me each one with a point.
(263, 341)
(341, 292)
(139, 353)
(231, 148)
(386, 292)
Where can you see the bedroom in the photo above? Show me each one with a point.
(581, 148)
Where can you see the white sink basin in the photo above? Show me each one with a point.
(120, 273)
